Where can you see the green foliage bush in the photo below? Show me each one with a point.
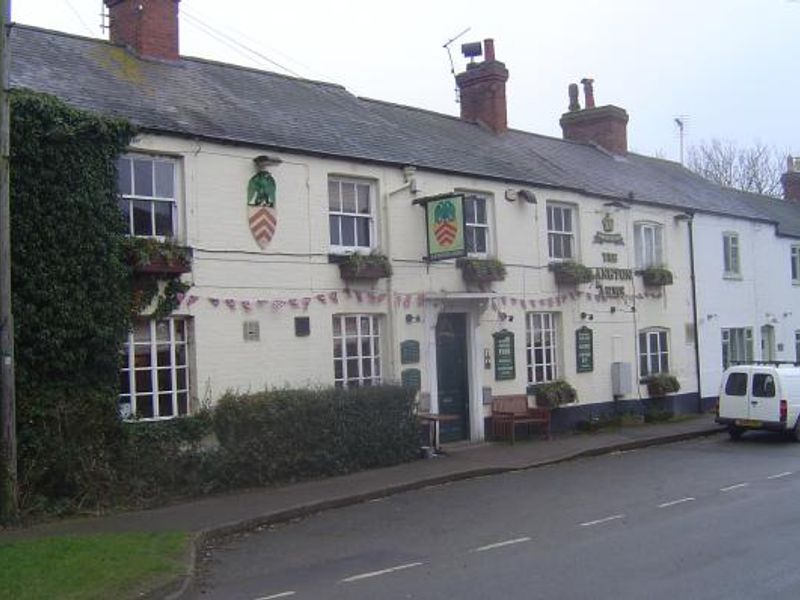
(285, 435)
(571, 272)
(481, 270)
(662, 384)
(553, 393)
(70, 295)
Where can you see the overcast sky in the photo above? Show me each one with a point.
(730, 67)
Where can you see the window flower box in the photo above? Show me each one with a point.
(480, 270)
(571, 273)
(553, 394)
(148, 255)
(662, 384)
(365, 266)
(656, 276)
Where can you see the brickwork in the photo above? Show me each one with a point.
(483, 91)
(791, 185)
(148, 27)
(606, 126)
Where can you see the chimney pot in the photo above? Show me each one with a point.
(588, 91)
(574, 103)
(488, 50)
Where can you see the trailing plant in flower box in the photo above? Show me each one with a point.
(481, 270)
(656, 276)
(571, 272)
(365, 266)
(553, 394)
(149, 255)
(662, 384)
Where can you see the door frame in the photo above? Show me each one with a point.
(472, 309)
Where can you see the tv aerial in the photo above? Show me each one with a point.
(446, 46)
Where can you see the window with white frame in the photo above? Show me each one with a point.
(477, 224)
(797, 346)
(356, 350)
(796, 264)
(154, 379)
(730, 249)
(653, 352)
(737, 346)
(541, 346)
(146, 185)
(649, 245)
(351, 214)
(561, 231)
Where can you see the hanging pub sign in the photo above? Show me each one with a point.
(504, 365)
(584, 350)
(445, 225)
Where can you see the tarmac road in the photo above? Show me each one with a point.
(701, 519)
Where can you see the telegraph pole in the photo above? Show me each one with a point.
(8, 420)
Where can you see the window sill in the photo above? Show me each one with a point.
(732, 276)
(337, 256)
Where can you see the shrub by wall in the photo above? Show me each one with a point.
(70, 294)
(285, 435)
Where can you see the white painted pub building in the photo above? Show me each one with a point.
(276, 184)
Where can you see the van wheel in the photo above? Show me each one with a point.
(736, 433)
(796, 431)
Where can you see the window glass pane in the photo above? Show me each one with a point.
(163, 214)
(165, 405)
(165, 179)
(143, 177)
(348, 231)
(337, 327)
(558, 221)
(164, 356)
(141, 357)
(162, 331)
(334, 222)
(643, 365)
(124, 382)
(124, 176)
(567, 219)
(362, 232)
(366, 367)
(182, 379)
(363, 199)
(338, 372)
(144, 381)
(350, 325)
(736, 384)
(348, 197)
(480, 240)
(334, 203)
(763, 385)
(469, 209)
(180, 355)
(125, 208)
(144, 406)
(183, 403)
(164, 380)
(352, 368)
(480, 210)
(142, 219)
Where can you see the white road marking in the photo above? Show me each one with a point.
(779, 475)
(281, 595)
(600, 521)
(674, 502)
(381, 572)
(501, 544)
(733, 487)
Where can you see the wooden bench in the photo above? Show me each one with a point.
(512, 410)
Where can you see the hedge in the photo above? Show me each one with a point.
(286, 435)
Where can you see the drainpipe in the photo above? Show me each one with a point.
(690, 220)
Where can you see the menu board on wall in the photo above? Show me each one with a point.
(584, 350)
(504, 365)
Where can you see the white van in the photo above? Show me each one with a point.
(760, 396)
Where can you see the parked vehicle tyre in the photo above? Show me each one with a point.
(736, 432)
(796, 431)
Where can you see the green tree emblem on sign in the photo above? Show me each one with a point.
(261, 190)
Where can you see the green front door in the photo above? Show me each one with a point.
(451, 366)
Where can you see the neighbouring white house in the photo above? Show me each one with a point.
(319, 224)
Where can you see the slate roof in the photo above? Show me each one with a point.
(206, 99)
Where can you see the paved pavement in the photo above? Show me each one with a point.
(230, 513)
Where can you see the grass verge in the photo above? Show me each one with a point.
(90, 567)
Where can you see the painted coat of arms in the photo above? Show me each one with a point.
(261, 210)
(446, 227)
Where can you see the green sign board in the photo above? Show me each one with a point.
(504, 365)
(444, 216)
(584, 350)
(409, 352)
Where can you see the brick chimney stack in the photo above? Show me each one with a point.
(791, 179)
(482, 89)
(606, 126)
(148, 27)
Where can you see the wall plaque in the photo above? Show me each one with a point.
(409, 352)
(584, 350)
(504, 365)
